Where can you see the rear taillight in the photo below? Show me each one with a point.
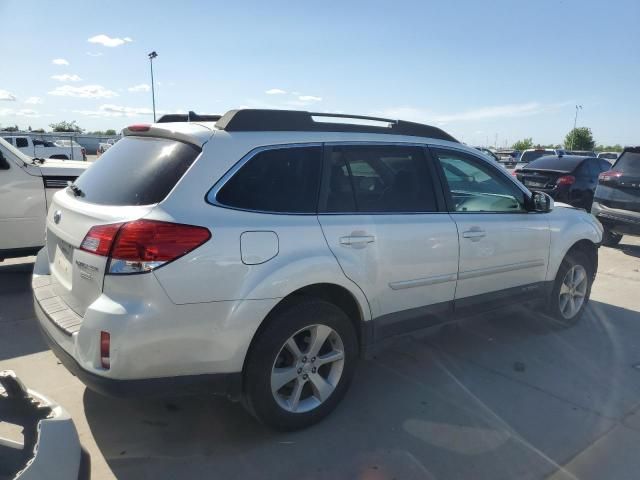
(608, 176)
(566, 180)
(100, 239)
(105, 350)
(143, 245)
(515, 172)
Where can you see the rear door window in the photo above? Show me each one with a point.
(136, 171)
(278, 180)
(379, 179)
(22, 142)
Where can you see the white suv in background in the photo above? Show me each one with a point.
(260, 255)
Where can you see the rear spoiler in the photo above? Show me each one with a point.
(187, 117)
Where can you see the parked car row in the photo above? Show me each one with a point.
(58, 149)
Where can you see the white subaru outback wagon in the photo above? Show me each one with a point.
(260, 253)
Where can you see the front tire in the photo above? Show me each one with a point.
(571, 288)
(300, 366)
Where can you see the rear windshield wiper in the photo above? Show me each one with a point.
(75, 189)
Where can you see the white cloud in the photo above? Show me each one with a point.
(309, 98)
(65, 77)
(6, 96)
(33, 101)
(275, 91)
(143, 87)
(23, 112)
(108, 41)
(108, 110)
(95, 54)
(86, 91)
(483, 113)
(59, 61)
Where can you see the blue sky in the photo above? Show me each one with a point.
(476, 68)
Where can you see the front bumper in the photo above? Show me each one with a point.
(51, 447)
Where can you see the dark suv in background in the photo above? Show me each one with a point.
(617, 199)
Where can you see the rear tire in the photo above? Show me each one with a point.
(610, 239)
(571, 288)
(293, 378)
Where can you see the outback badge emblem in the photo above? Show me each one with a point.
(57, 215)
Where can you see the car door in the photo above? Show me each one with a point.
(504, 249)
(385, 222)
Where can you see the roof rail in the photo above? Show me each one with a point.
(187, 117)
(263, 120)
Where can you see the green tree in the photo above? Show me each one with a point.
(609, 148)
(111, 131)
(579, 139)
(13, 128)
(523, 144)
(66, 127)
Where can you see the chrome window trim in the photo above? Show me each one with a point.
(212, 194)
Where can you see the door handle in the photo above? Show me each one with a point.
(475, 234)
(357, 241)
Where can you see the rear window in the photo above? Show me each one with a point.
(279, 180)
(136, 171)
(628, 163)
(561, 164)
(534, 154)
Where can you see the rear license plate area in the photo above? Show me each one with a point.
(63, 261)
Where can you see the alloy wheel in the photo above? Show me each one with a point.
(307, 369)
(573, 291)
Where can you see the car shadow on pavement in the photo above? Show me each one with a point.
(505, 396)
(632, 250)
(19, 334)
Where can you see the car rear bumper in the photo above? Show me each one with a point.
(620, 221)
(157, 347)
(229, 384)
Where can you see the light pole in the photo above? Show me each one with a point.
(575, 122)
(153, 55)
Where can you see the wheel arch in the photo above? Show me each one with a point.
(590, 249)
(331, 292)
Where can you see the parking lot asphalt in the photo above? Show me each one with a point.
(502, 396)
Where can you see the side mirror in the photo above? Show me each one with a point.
(4, 164)
(541, 202)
